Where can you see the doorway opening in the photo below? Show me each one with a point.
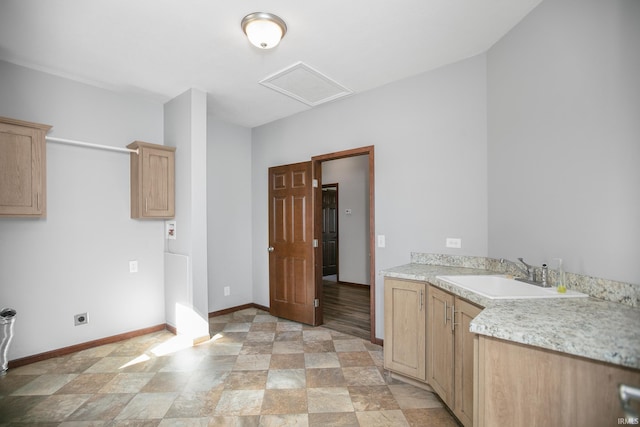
(345, 279)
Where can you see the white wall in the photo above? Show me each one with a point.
(229, 214)
(429, 134)
(185, 128)
(77, 259)
(352, 175)
(564, 138)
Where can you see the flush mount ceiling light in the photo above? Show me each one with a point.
(264, 30)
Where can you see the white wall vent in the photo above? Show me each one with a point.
(307, 85)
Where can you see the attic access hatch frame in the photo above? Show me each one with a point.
(305, 84)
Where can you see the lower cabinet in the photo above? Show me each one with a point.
(464, 363)
(404, 327)
(440, 341)
(522, 385)
(427, 338)
(450, 351)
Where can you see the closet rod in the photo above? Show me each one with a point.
(88, 144)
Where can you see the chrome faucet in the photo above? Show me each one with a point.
(528, 270)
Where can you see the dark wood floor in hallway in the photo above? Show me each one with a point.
(347, 309)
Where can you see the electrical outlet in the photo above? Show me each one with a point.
(80, 319)
(227, 291)
(454, 242)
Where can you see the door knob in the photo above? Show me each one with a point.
(271, 249)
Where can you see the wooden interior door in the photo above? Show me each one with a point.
(329, 229)
(292, 289)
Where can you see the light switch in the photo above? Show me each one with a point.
(133, 266)
(381, 241)
(170, 230)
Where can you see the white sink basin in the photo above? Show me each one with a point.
(500, 287)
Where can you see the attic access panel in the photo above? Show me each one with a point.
(307, 85)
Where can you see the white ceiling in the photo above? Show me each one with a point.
(164, 47)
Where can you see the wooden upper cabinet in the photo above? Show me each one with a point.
(22, 168)
(152, 181)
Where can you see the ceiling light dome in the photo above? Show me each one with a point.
(264, 30)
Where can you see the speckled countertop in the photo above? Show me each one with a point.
(586, 327)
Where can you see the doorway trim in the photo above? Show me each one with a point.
(316, 165)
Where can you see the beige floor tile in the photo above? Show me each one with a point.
(207, 380)
(284, 420)
(288, 326)
(86, 383)
(252, 362)
(288, 336)
(432, 417)
(54, 408)
(329, 399)
(287, 347)
(246, 380)
(263, 327)
(237, 327)
(382, 418)
(184, 422)
(167, 381)
(108, 364)
(234, 421)
(44, 385)
(325, 377)
(240, 402)
(357, 358)
(372, 398)
(287, 361)
(340, 419)
(316, 335)
(261, 336)
(147, 406)
(409, 397)
(257, 347)
(101, 407)
(127, 383)
(194, 404)
(286, 379)
(318, 347)
(364, 375)
(321, 360)
(14, 407)
(265, 318)
(293, 401)
(349, 345)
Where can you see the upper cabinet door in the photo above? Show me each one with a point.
(152, 181)
(22, 168)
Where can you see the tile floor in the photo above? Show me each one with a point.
(257, 370)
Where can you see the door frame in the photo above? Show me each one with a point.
(316, 167)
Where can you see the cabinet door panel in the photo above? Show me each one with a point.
(440, 343)
(405, 328)
(156, 182)
(464, 362)
(22, 168)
